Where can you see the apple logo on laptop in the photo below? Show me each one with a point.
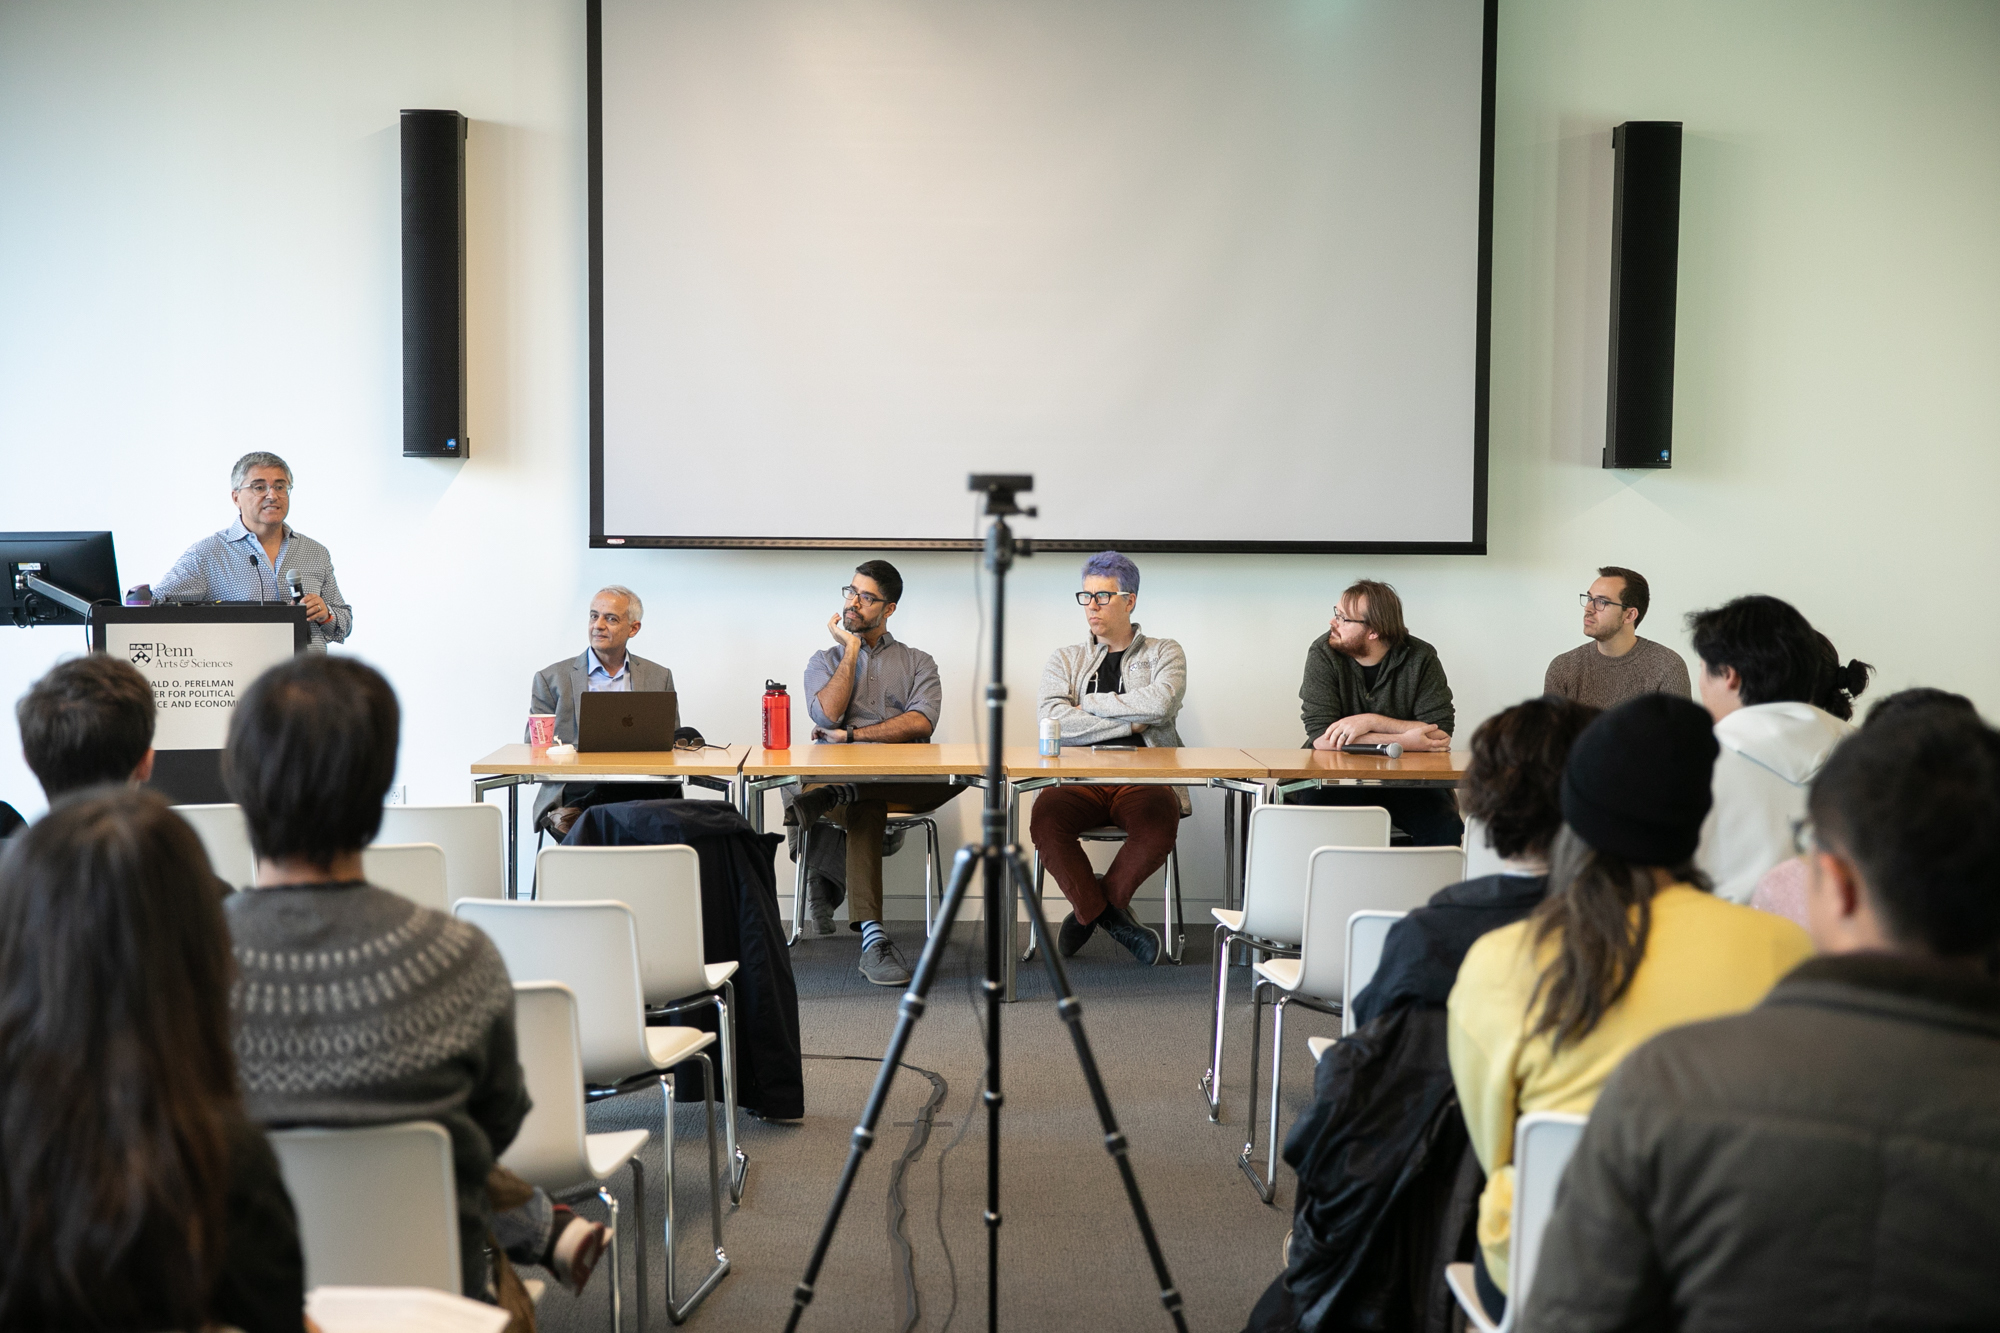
(627, 719)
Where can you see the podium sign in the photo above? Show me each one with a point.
(199, 660)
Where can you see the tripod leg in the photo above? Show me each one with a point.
(907, 1014)
(1071, 1011)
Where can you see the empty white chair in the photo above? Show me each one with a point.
(662, 886)
(1282, 839)
(1480, 858)
(552, 1149)
(593, 948)
(226, 838)
(1543, 1145)
(378, 1206)
(473, 837)
(1367, 932)
(414, 870)
(1341, 880)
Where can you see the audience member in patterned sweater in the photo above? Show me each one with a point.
(134, 1191)
(355, 1006)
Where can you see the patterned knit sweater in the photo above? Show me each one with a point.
(355, 1006)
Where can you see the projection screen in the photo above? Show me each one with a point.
(1214, 271)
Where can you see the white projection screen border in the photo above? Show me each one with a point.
(873, 261)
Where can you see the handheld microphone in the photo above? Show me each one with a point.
(292, 582)
(259, 574)
(1392, 750)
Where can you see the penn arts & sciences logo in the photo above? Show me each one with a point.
(165, 656)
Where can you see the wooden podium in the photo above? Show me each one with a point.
(199, 659)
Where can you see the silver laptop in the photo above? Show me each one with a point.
(612, 720)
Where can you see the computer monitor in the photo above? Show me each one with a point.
(82, 564)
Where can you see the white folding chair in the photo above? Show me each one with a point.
(414, 870)
(1272, 919)
(552, 1149)
(662, 886)
(1543, 1145)
(593, 948)
(1367, 932)
(1340, 880)
(1480, 858)
(933, 859)
(226, 838)
(473, 837)
(377, 1207)
(1173, 926)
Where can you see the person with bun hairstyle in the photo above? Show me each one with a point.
(135, 1192)
(1780, 700)
(1628, 943)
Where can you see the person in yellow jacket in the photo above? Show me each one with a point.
(1628, 943)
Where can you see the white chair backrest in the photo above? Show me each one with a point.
(1346, 880)
(416, 870)
(226, 838)
(591, 947)
(1480, 858)
(1282, 839)
(662, 886)
(1366, 933)
(377, 1207)
(549, 1149)
(473, 837)
(1543, 1143)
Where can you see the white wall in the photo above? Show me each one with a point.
(199, 256)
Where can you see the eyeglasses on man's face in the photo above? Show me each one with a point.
(853, 594)
(1342, 618)
(263, 488)
(1589, 603)
(1098, 598)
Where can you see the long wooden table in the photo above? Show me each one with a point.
(1296, 768)
(512, 766)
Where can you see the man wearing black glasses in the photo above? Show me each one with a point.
(870, 687)
(1118, 687)
(1617, 664)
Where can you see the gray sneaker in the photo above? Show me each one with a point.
(1140, 940)
(883, 965)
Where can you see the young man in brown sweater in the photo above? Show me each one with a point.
(1616, 664)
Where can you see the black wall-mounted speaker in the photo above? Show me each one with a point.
(434, 285)
(1645, 263)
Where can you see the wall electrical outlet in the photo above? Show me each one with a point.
(398, 795)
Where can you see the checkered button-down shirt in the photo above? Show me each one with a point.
(231, 566)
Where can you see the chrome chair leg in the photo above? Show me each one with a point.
(1211, 1082)
(739, 1161)
(1246, 1160)
(678, 1312)
(799, 886)
(1176, 934)
(617, 1270)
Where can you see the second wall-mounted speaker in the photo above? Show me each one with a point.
(1645, 266)
(434, 285)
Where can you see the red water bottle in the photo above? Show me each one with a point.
(777, 717)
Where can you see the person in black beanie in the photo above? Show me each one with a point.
(1628, 943)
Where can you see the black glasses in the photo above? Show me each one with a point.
(851, 594)
(1098, 598)
(1589, 603)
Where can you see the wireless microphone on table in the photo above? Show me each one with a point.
(1392, 750)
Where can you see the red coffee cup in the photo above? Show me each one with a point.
(541, 729)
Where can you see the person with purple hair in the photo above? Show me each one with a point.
(1118, 687)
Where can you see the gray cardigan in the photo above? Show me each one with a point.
(1155, 672)
(354, 1006)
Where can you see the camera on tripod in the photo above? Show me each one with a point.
(1000, 489)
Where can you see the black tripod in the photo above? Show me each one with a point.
(1006, 876)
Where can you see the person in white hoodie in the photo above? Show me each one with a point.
(1781, 701)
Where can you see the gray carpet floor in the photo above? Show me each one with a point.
(1070, 1255)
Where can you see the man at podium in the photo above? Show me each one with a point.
(262, 558)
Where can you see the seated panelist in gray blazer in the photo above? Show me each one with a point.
(614, 618)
